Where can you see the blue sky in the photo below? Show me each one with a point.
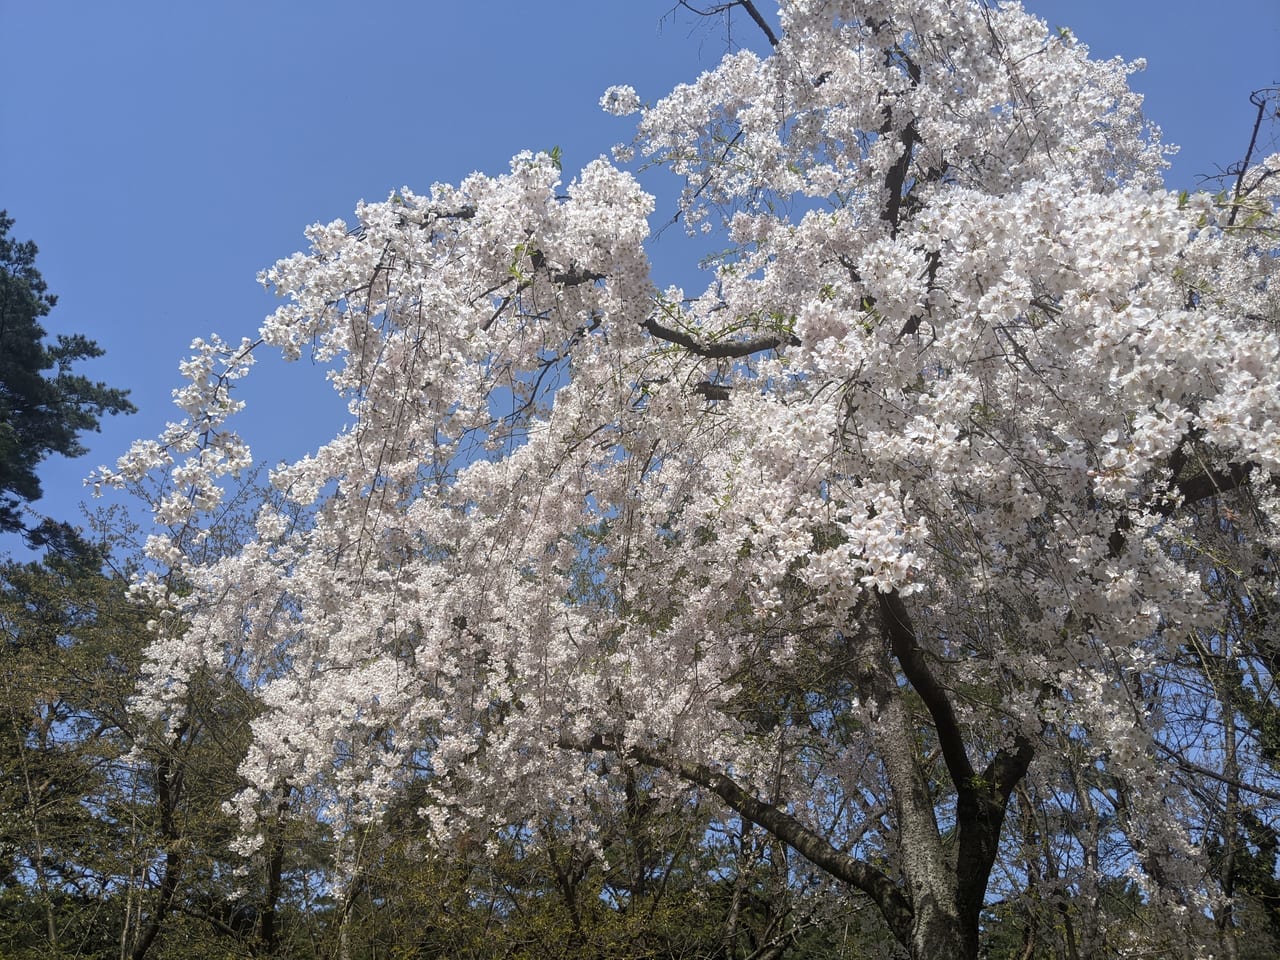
(161, 153)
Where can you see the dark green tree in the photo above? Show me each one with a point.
(44, 405)
(69, 643)
(113, 843)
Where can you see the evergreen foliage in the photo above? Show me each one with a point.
(44, 405)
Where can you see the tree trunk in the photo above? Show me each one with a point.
(935, 909)
(169, 786)
(268, 928)
(936, 935)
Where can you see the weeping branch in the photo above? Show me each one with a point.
(772, 818)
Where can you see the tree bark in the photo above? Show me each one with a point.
(169, 776)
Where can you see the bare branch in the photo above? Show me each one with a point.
(772, 818)
(719, 350)
(906, 649)
(746, 5)
(1260, 99)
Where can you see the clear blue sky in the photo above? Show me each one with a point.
(162, 152)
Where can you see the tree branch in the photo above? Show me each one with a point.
(1209, 483)
(746, 5)
(906, 649)
(770, 817)
(1260, 99)
(726, 349)
(1191, 490)
(760, 21)
(1006, 769)
(895, 180)
(980, 813)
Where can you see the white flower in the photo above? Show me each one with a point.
(620, 101)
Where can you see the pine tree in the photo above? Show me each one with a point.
(44, 406)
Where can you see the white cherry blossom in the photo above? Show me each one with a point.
(919, 499)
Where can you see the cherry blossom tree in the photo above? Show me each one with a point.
(907, 517)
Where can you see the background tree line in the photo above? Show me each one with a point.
(115, 841)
